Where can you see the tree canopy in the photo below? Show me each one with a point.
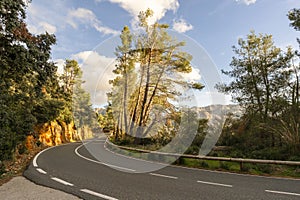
(31, 90)
(265, 81)
(148, 80)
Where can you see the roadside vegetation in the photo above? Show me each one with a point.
(32, 93)
(148, 81)
(141, 109)
(264, 83)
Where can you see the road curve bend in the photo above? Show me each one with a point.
(72, 169)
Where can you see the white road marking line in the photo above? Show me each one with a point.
(117, 167)
(206, 170)
(36, 157)
(102, 163)
(98, 194)
(235, 174)
(62, 181)
(165, 176)
(138, 159)
(279, 192)
(216, 184)
(34, 162)
(41, 171)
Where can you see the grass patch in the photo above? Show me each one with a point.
(248, 168)
(255, 169)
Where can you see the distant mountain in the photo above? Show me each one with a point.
(219, 110)
(216, 115)
(205, 112)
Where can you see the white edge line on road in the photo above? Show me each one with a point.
(37, 155)
(62, 181)
(165, 176)
(41, 171)
(237, 174)
(98, 194)
(34, 162)
(138, 159)
(102, 163)
(279, 192)
(216, 184)
(205, 170)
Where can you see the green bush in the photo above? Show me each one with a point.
(192, 150)
(236, 154)
(246, 167)
(224, 165)
(294, 158)
(265, 168)
(270, 154)
(203, 164)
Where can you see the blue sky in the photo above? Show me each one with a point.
(82, 25)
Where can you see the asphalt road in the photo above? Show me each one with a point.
(71, 168)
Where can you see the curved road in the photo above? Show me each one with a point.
(72, 169)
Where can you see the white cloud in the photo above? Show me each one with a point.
(42, 27)
(247, 2)
(81, 14)
(39, 20)
(97, 71)
(87, 17)
(37, 23)
(194, 76)
(207, 98)
(60, 65)
(181, 26)
(160, 7)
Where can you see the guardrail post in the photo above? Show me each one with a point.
(241, 165)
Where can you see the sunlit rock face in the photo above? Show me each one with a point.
(55, 133)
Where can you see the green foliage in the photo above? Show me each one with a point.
(148, 80)
(294, 17)
(203, 164)
(266, 83)
(198, 139)
(77, 107)
(27, 78)
(31, 92)
(260, 73)
(224, 165)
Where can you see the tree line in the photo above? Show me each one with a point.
(147, 83)
(265, 82)
(142, 102)
(31, 90)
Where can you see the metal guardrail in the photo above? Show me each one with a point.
(241, 161)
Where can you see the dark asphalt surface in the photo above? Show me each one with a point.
(170, 182)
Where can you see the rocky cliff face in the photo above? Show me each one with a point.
(54, 133)
(57, 132)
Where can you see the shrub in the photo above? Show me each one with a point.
(203, 164)
(245, 167)
(265, 168)
(224, 165)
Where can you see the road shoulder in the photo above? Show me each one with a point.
(21, 188)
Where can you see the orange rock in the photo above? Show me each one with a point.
(30, 142)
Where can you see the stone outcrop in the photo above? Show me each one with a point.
(57, 132)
